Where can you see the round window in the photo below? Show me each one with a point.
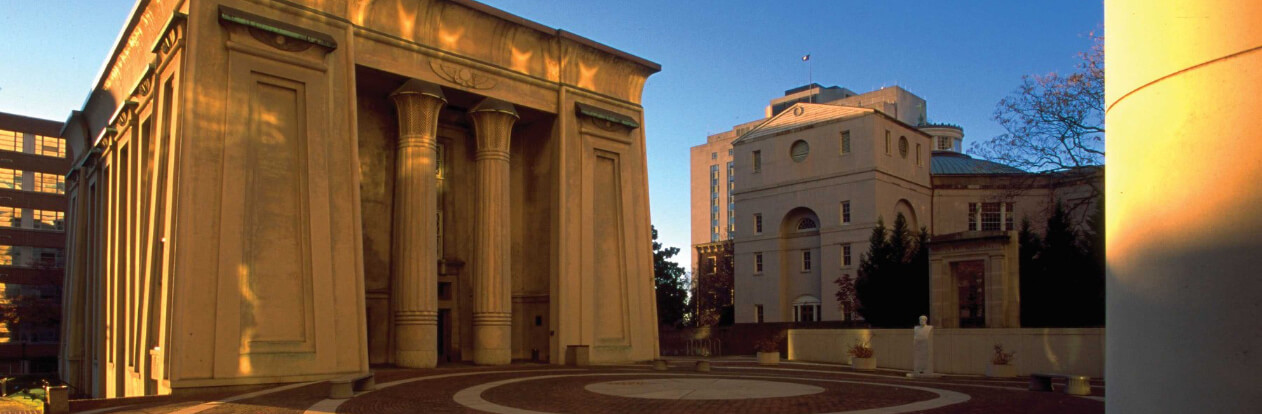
(799, 150)
(902, 146)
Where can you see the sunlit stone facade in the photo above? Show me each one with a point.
(277, 192)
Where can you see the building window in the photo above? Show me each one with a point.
(806, 260)
(944, 143)
(713, 264)
(919, 161)
(902, 147)
(799, 150)
(729, 152)
(50, 183)
(845, 142)
(50, 146)
(731, 171)
(807, 224)
(10, 179)
(1007, 217)
(845, 254)
(806, 309)
(845, 212)
(714, 155)
(757, 262)
(10, 216)
(48, 219)
(972, 216)
(10, 141)
(758, 314)
(991, 216)
(757, 161)
(757, 223)
(887, 142)
(8, 255)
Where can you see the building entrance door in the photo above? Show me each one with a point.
(970, 281)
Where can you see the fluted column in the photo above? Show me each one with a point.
(492, 288)
(415, 260)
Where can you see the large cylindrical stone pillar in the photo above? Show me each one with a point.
(415, 260)
(1183, 101)
(492, 287)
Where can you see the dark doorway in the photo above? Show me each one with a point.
(970, 281)
(444, 335)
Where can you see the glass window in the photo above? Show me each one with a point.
(902, 146)
(845, 212)
(757, 223)
(10, 141)
(799, 150)
(990, 216)
(806, 309)
(944, 143)
(806, 260)
(714, 155)
(9, 255)
(845, 254)
(10, 216)
(1007, 217)
(48, 219)
(50, 146)
(757, 161)
(887, 142)
(758, 262)
(845, 142)
(807, 224)
(10, 179)
(50, 183)
(972, 216)
(757, 313)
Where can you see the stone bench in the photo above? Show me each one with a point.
(1074, 384)
(346, 386)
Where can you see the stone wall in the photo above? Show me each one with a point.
(962, 351)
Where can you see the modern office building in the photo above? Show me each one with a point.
(33, 165)
(271, 192)
(805, 187)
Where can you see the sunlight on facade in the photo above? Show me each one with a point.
(521, 60)
(587, 75)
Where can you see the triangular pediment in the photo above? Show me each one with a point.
(800, 115)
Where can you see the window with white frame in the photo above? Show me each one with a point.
(807, 224)
(845, 212)
(845, 254)
(758, 314)
(806, 260)
(845, 142)
(758, 262)
(944, 143)
(993, 216)
(757, 223)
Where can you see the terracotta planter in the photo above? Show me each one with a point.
(863, 364)
(768, 358)
(1001, 371)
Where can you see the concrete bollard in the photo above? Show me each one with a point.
(703, 366)
(56, 399)
(659, 365)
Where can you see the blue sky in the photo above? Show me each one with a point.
(721, 60)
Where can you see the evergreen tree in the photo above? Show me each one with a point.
(1062, 275)
(672, 289)
(1029, 245)
(893, 283)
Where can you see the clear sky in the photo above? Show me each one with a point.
(721, 60)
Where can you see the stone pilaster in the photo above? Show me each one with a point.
(415, 260)
(492, 287)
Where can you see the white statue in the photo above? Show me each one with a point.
(922, 349)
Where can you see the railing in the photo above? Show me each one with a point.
(696, 347)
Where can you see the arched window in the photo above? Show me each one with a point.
(799, 150)
(807, 224)
(806, 309)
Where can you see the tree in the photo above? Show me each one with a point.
(1054, 121)
(1062, 275)
(669, 279)
(846, 296)
(713, 295)
(893, 284)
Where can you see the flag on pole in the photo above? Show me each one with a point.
(806, 57)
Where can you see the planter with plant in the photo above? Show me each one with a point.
(1001, 365)
(768, 349)
(862, 357)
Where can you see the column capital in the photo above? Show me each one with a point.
(418, 104)
(493, 124)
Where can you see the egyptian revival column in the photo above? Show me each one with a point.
(415, 206)
(492, 289)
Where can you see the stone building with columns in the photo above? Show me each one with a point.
(270, 192)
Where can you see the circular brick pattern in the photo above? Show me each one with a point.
(701, 389)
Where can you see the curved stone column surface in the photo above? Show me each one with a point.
(415, 206)
(492, 288)
(1184, 205)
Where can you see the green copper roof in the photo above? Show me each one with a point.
(954, 163)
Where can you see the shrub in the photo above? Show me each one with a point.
(1001, 357)
(861, 350)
